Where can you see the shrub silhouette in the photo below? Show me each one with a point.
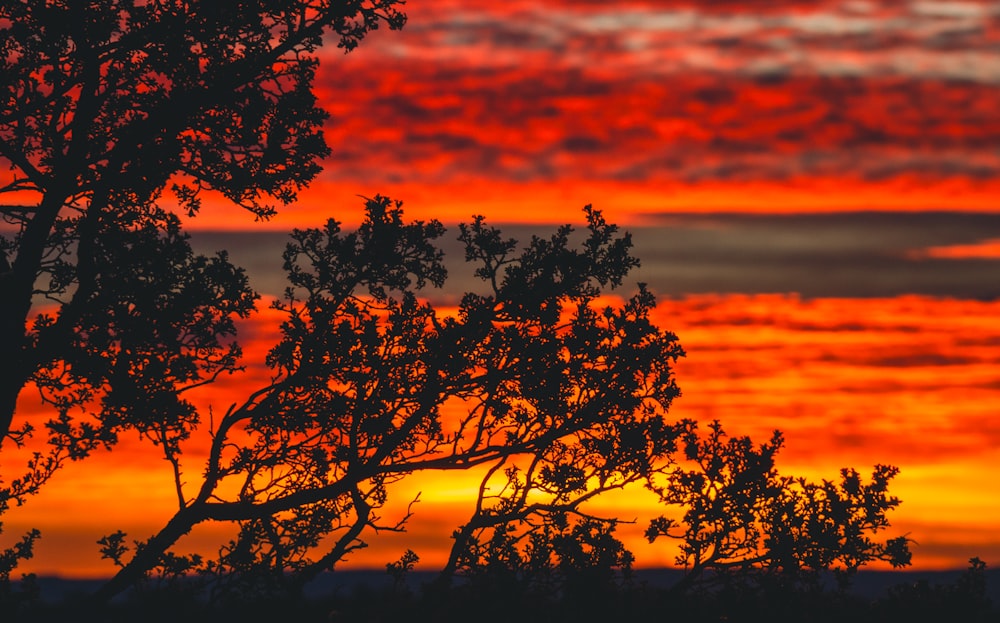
(744, 523)
(558, 557)
(964, 600)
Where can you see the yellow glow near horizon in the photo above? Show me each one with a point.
(847, 380)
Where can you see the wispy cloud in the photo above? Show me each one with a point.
(925, 39)
(986, 249)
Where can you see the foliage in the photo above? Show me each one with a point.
(363, 370)
(105, 102)
(546, 555)
(401, 568)
(611, 367)
(744, 522)
(12, 597)
(105, 106)
(157, 321)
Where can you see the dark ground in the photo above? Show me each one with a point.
(371, 597)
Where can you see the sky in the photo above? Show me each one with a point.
(528, 110)
(814, 191)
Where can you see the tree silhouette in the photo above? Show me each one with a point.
(109, 108)
(364, 369)
(744, 523)
(618, 362)
(160, 321)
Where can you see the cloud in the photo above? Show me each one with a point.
(661, 38)
(905, 396)
(859, 254)
(985, 249)
(412, 121)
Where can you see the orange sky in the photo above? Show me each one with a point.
(525, 111)
(909, 381)
(621, 202)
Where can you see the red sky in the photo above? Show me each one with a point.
(525, 111)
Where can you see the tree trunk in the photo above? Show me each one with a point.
(149, 555)
(16, 288)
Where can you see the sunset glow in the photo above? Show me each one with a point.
(987, 249)
(815, 193)
(908, 381)
(525, 111)
(624, 202)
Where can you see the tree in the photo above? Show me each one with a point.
(107, 104)
(520, 525)
(744, 523)
(109, 108)
(159, 323)
(364, 368)
(521, 498)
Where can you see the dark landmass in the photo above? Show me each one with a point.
(373, 596)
